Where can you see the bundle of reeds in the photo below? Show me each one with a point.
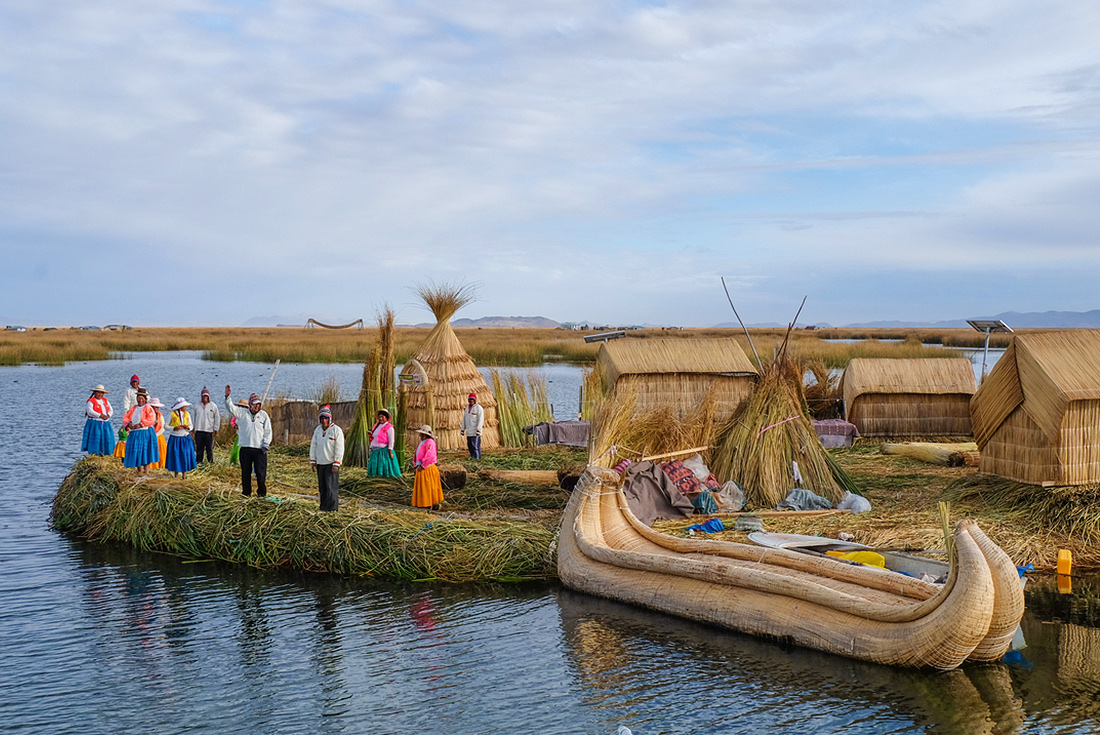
(357, 441)
(100, 502)
(824, 394)
(516, 407)
(757, 448)
(621, 431)
(594, 390)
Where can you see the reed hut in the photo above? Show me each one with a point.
(920, 397)
(1037, 415)
(679, 373)
(451, 376)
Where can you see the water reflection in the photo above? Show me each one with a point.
(636, 662)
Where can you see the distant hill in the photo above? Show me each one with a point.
(1014, 319)
(502, 321)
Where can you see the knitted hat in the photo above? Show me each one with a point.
(134, 379)
(326, 412)
(254, 398)
(205, 392)
(472, 395)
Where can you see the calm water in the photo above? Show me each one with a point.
(101, 639)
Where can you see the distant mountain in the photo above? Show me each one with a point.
(507, 321)
(1014, 319)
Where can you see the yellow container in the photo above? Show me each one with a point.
(1065, 561)
(870, 558)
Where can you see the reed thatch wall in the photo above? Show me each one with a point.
(679, 373)
(909, 397)
(293, 422)
(1037, 415)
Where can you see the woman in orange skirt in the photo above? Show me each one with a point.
(162, 443)
(427, 489)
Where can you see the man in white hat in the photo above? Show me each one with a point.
(254, 436)
(326, 452)
(207, 420)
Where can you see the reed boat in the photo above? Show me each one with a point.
(817, 602)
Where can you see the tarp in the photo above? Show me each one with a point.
(566, 433)
(651, 495)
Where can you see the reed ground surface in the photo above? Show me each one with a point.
(490, 346)
(1030, 523)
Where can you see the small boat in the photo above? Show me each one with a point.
(903, 562)
(814, 601)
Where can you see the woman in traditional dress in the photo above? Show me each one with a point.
(427, 489)
(181, 447)
(383, 461)
(141, 442)
(99, 437)
(162, 443)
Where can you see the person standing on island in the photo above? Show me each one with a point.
(383, 460)
(99, 437)
(129, 400)
(472, 421)
(141, 442)
(181, 448)
(207, 422)
(427, 487)
(326, 452)
(254, 435)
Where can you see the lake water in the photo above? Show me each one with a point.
(103, 639)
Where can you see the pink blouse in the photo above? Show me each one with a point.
(146, 416)
(382, 436)
(425, 453)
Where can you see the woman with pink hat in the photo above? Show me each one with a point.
(99, 437)
(181, 447)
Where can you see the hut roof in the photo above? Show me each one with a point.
(690, 356)
(921, 375)
(1044, 371)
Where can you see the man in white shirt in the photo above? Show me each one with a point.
(254, 436)
(326, 452)
(472, 421)
(207, 420)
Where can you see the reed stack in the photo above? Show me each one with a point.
(451, 376)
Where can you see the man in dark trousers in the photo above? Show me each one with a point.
(326, 452)
(254, 436)
(207, 420)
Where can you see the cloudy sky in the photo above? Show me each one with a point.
(192, 162)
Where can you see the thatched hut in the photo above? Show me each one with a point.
(1037, 415)
(451, 377)
(679, 373)
(909, 397)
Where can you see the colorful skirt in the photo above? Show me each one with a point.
(181, 454)
(141, 448)
(235, 452)
(99, 437)
(383, 463)
(162, 452)
(120, 450)
(427, 489)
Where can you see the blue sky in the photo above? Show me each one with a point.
(189, 162)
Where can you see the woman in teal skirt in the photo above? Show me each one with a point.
(383, 460)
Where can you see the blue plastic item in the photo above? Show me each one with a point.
(714, 525)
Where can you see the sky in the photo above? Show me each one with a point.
(192, 162)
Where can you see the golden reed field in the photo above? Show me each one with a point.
(487, 346)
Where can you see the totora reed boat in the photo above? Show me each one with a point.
(817, 602)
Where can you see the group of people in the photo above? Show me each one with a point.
(142, 444)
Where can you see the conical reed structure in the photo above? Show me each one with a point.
(772, 431)
(452, 375)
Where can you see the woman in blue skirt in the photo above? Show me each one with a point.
(99, 437)
(383, 460)
(141, 442)
(181, 447)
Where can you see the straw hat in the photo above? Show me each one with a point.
(155, 403)
(142, 392)
(180, 403)
(242, 403)
(426, 431)
(384, 412)
(100, 389)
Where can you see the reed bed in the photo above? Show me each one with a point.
(522, 400)
(210, 520)
(620, 430)
(502, 346)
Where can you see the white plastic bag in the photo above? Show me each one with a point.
(697, 467)
(854, 503)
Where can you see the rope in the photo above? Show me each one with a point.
(778, 423)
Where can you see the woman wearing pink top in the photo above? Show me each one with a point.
(383, 461)
(427, 489)
(141, 442)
